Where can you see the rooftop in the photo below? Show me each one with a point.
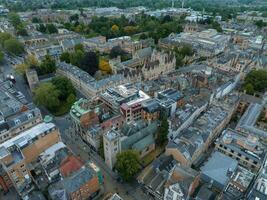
(213, 170)
(26, 136)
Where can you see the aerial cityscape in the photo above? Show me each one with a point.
(133, 100)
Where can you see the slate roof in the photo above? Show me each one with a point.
(218, 172)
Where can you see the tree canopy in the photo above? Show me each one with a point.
(47, 95)
(256, 81)
(13, 46)
(127, 164)
(47, 66)
(57, 95)
(162, 135)
(64, 86)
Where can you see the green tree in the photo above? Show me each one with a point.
(71, 99)
(14, 19)
(162, 135)
(127, 164)
(257, 79)
(21, 30)
(36, 20)
(186, 50)
(76, 58)
(101, 148)
(2, 55)
(64, 86)
(41, 28)
(260, 24)
(47, 95)
(65, 57)
(47, 66)
(29, 62)
(249, 89)
(3, 37)
(13, 46)
(51, 28)
(79, 47)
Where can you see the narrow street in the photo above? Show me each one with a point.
(111, 185)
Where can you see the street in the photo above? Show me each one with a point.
(111, 185)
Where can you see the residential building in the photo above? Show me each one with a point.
(86, 84)
(188, 147)
(154, 177)
(81, 184)
(18, 153)
(16, 113)
(150, 110)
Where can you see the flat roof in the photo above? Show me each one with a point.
(27, 135)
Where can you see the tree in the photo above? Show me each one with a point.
(260, 24)
(47, 95)
(21, 30)
(186, 50)
(76, 58)
(90, 63)
(36, 20)
(143, 36)
(217, 26)
(29, 62)
(115, 28)
(116, 51)
(249, 89)
(101, 148)
(65, 57)
(13, 46)
(64, 86)
(41, 28)
(257, 79)
(71, 99)
(51, 28)
(104, 66)
(74, 17)
(14, 19)
(47, 66)
(3, 37)
(162, 135)
(79, 47)
(2, 55)
(127, 164)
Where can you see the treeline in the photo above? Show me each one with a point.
(114, 27)
(212, 5)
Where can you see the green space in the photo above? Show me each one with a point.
(57, 95)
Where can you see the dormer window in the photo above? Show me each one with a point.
(17, 121)
(30, 116)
